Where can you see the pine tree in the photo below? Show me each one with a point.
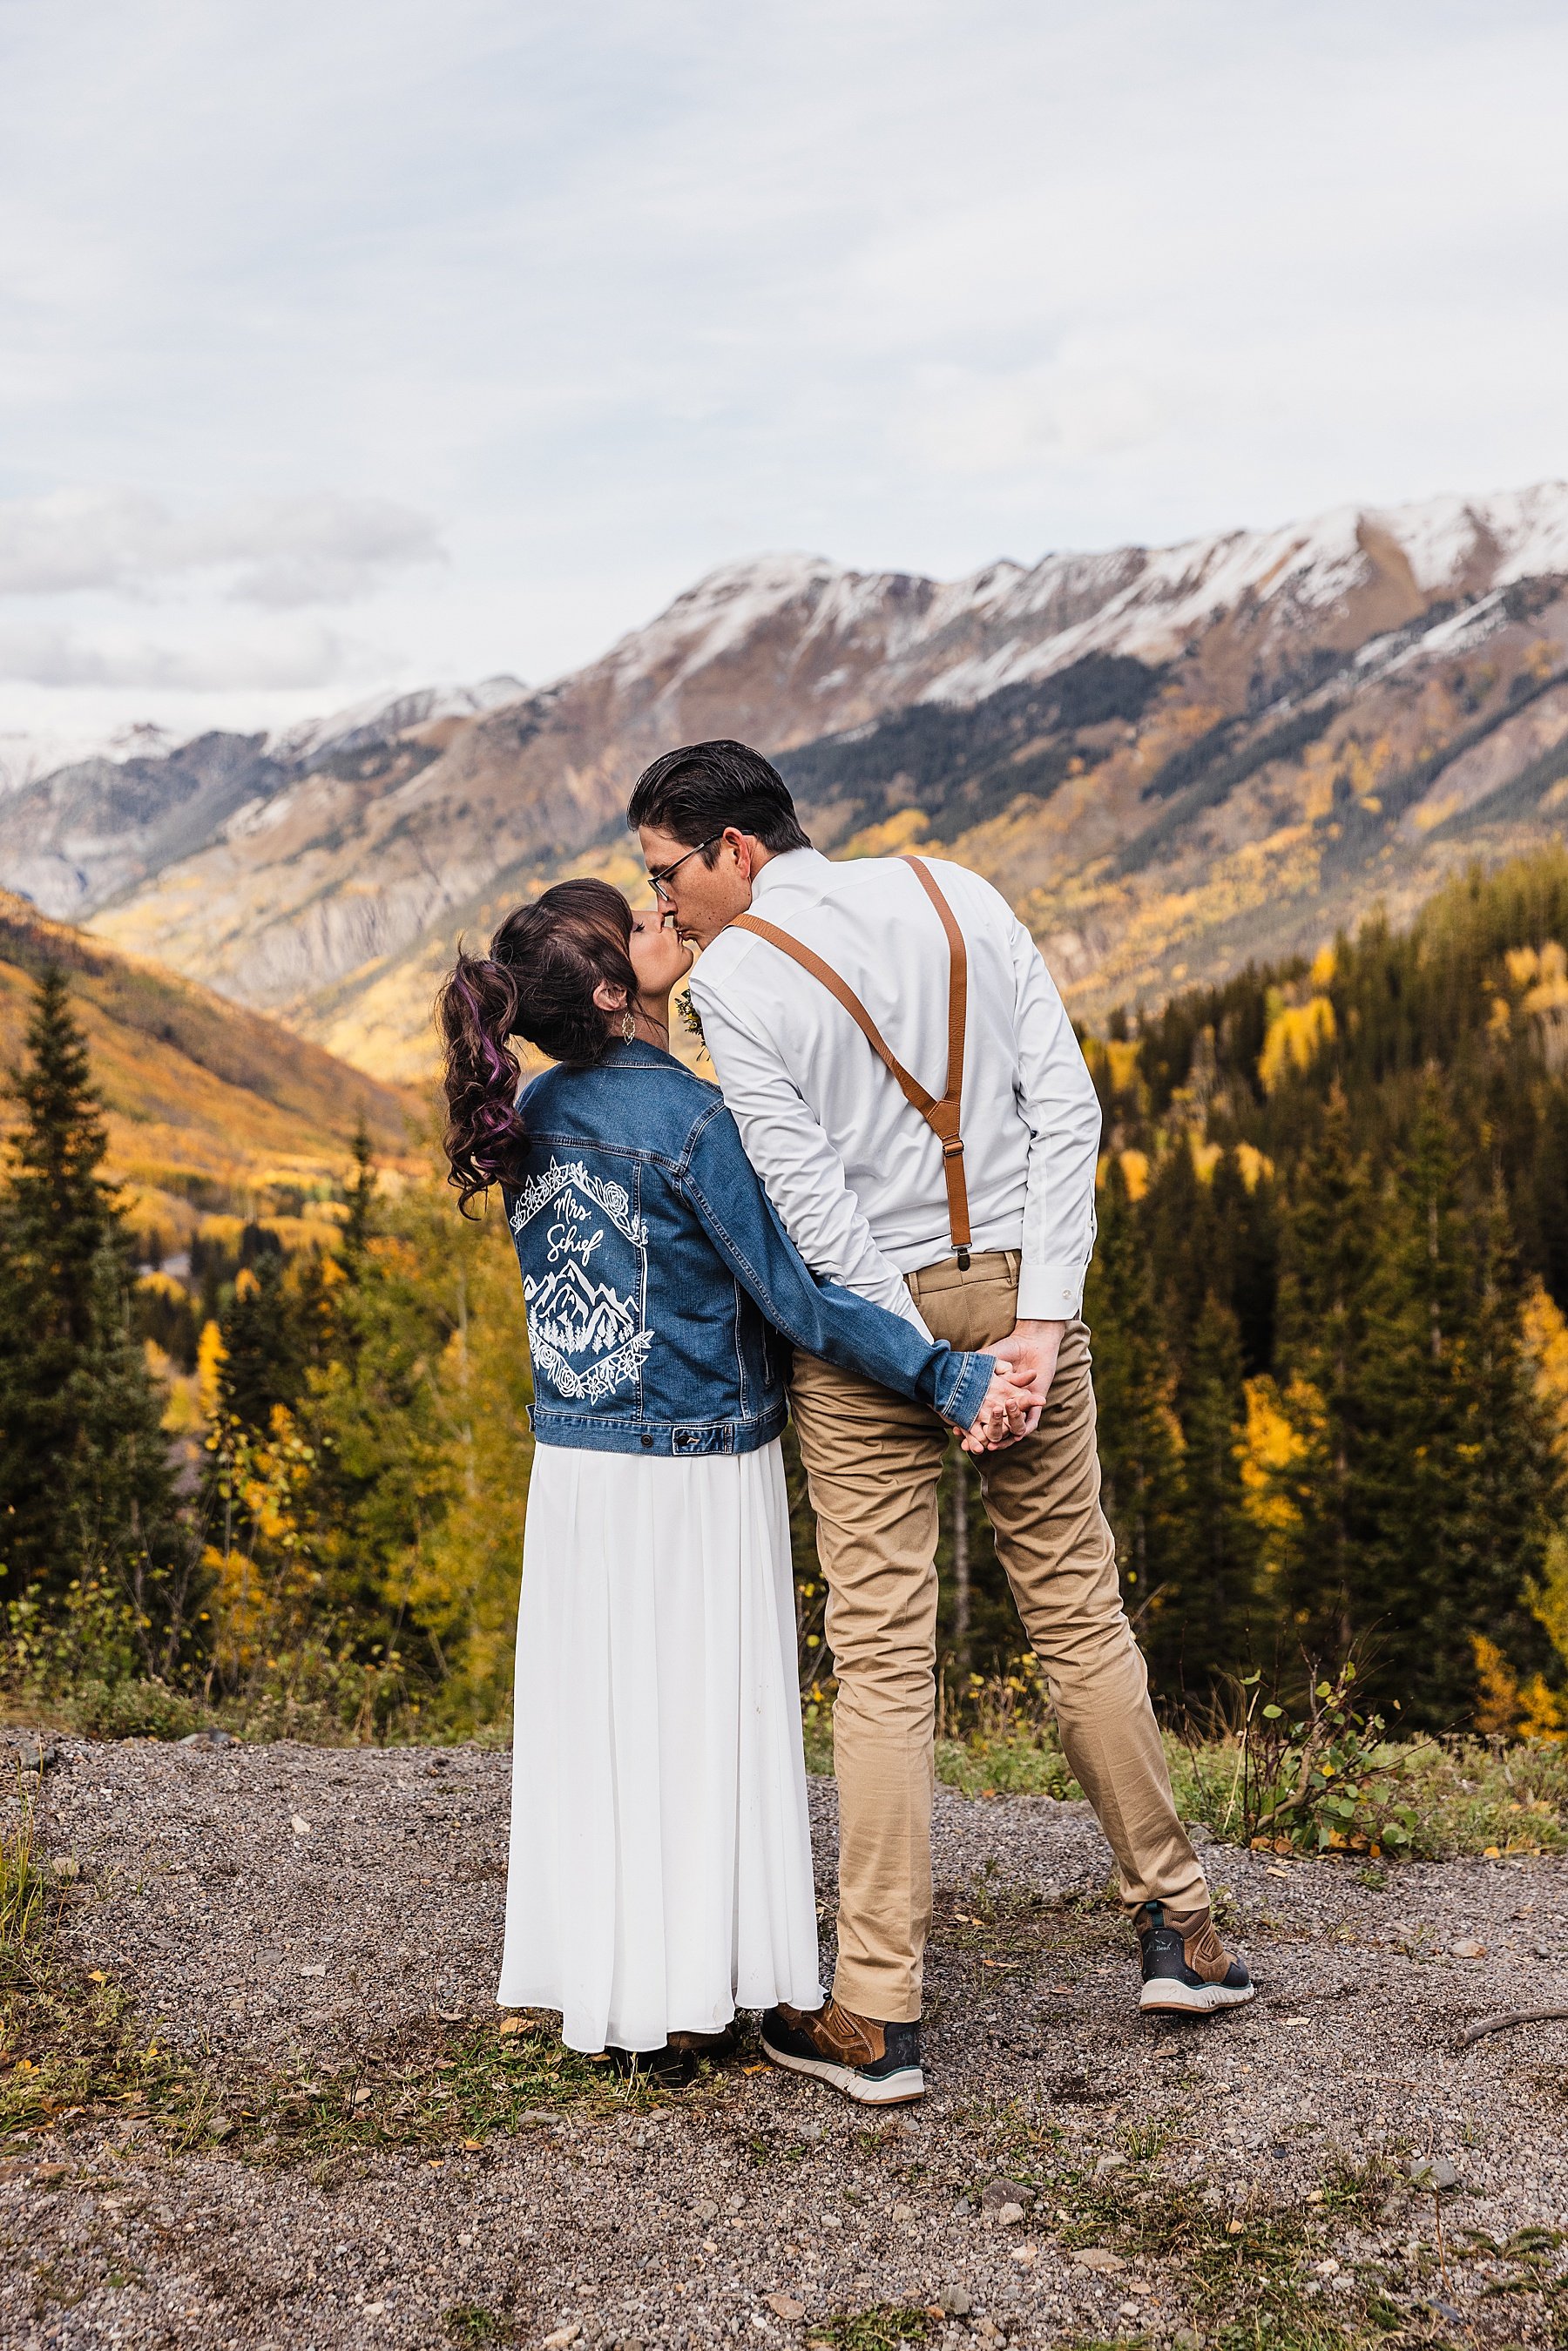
(262, 1362)
(86, 1485)
(1220, 1626)
(1140, 1438)
(1459, 1477)
(360, 1194)
(1331, 1243)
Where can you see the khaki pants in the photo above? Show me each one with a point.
(873, 1461)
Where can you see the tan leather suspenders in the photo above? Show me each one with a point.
(941, 1117)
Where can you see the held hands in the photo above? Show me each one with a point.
(1020, 1386)
(1008, 1410)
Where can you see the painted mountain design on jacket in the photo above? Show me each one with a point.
(578, 1316)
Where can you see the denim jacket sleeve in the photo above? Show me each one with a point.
(738, 1216)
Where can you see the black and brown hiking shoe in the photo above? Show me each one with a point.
(1188, 1971)
(875, 2064)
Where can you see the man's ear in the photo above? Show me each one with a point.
(741, 847)
(608, 998)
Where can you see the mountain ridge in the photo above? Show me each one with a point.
(209, 1106)
(333, 881)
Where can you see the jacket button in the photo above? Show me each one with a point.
(648, 1442)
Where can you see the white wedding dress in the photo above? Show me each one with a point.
(661, 1858)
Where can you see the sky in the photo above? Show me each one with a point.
(359, 346)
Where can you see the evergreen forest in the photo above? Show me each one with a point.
(286, 1485)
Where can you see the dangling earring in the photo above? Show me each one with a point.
(628, 1025)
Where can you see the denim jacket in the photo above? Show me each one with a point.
(663, 1292)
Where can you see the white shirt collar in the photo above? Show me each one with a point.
(785, 868)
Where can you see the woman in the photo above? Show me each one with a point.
(661, 1866)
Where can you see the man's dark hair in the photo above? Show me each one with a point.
(697, 792)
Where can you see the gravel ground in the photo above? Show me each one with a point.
(287, 1909)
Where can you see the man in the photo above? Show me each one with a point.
(833, 1005)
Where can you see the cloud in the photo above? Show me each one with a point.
(966, 422)
(279, 552)
(295, 656)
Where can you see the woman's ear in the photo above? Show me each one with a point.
(608, 998)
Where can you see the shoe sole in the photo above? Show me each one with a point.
(1165, 1997)
(900, 2089)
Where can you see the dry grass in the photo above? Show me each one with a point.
(1463, 1795)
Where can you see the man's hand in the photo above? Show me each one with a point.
(1009, 1408)
(1031, 1352)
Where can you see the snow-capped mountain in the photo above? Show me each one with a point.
(94, 821)
(381, 719)
(1262, 725)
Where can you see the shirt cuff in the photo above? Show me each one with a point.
(1050, 1293)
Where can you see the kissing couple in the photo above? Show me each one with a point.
(877, 1225)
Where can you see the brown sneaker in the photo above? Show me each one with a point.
(876, 2065)
(1188, 1971)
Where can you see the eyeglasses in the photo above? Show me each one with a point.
(662, 879)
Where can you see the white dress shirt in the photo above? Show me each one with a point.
(854, 1171)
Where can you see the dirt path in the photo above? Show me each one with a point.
(313, 1935)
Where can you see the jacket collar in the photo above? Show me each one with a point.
(635, 1053)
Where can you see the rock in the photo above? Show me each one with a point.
(782, 2305)
(318, 1970)
(1010, 2215)
(1433, 2171)
(220, 2127)
(1109, 2163)
(562, 2337)
(1186, 2338)
(707, 2211)
(299, 1824)
(65, 1867)
(33, 1752)
(810, 2133)
(1468, 1949)
(538, 2114)
(1007, 2192)
(1099, 2259)
(904, 2212)
(956, 2301)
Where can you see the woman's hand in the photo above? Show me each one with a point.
(1005, 1410)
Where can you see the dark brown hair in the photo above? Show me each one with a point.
(537, 982)
(695, 793)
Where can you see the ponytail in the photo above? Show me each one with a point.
(477, 1012)
(537, 982)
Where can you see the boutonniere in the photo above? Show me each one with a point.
(691, 1019)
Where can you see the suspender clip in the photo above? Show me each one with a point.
(963, 1260)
